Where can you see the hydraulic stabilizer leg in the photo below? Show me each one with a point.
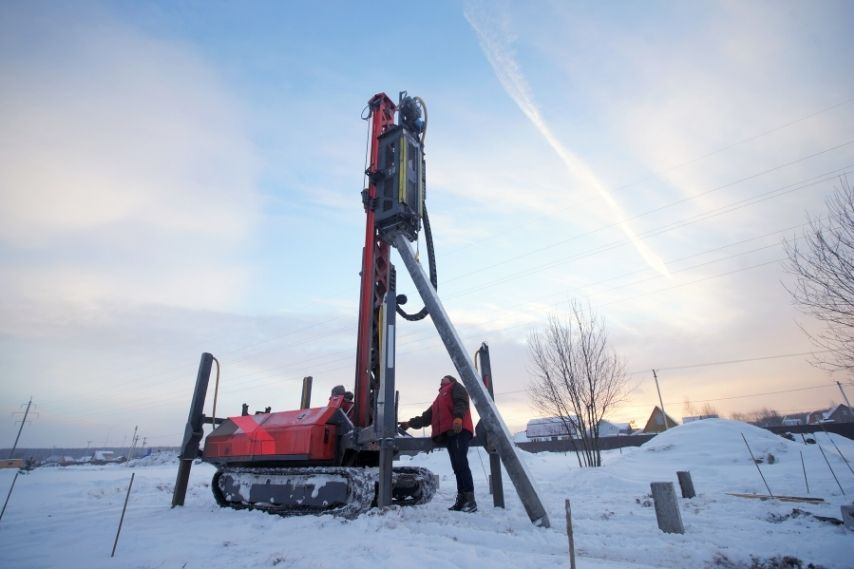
(386, 423)
(496, 486)
(192, 431)
(516, 469)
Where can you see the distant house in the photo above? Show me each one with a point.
(552, 429)
(106, 457)
(836, 414)
(699, 418)
(609, 429)
(795, 419)
(563, 428)
(655, 423)
(816, 417)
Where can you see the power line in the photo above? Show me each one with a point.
(738, 361)
(657, 173)
(231, 386)
(657, 209)
(764, 393)
(696, 281)
(729, 208)
(741, 141)
(707, 364)
(723, 210)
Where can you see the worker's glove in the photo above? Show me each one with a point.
(458, 425)
(403, 425)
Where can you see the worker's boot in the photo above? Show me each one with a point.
(469, 505)
(458, 505)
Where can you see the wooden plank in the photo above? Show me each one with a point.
(780, 498)
(12, 463)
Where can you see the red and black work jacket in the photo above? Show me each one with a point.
(452, 402)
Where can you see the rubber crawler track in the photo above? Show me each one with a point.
(233, 487)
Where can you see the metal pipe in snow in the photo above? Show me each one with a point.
(122, 519)
(9, 495)
(831, 469)
(757, 466)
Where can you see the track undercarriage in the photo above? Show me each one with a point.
(341, 491)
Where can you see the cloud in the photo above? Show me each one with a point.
(729, 100)
(125, 162)
(496, 44)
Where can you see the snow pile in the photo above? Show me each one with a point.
(715, 452)
(155, 458)
(68, 517)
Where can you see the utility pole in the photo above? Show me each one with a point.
(132, 443)
(845, 397)
(660, 401)
(23, 422)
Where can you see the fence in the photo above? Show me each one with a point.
(610, 443)
(844, 429)
(566, 445)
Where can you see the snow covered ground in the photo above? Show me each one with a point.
(67, 517)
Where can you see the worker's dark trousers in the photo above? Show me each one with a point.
(458, 448)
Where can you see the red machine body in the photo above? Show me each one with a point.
(301, 436)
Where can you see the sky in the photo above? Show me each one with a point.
(185, 177)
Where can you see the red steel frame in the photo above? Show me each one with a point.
(375, 266)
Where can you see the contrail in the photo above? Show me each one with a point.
(503, 63)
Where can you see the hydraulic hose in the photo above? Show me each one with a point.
(421, 102)
(431, 260)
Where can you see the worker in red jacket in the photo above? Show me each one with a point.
(450, 421)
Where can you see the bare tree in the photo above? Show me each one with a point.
(688, 408)
(577, 377)
(823, 267)
(764, 417)
(707, 410)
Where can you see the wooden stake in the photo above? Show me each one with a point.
(666, 507)
(569, 535)
(779, 498)
(686, 484)
(804, 467)
(122, 519)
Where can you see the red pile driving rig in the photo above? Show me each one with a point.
(338, 458)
